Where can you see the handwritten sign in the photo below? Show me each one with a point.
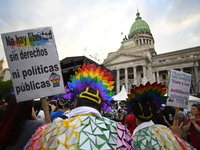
(33, 62)
(179, 89)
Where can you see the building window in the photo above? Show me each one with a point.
(132, 86)
(130, 77)
(164, 77)
(143, 41)
(149, 42)
(122, 77)
(122, 71)
(137, 42)
(141, 75)
(140, 41)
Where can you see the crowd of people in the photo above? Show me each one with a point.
(86, 117)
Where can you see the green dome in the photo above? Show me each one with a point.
(139, 25)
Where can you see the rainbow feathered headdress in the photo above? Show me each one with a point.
(146, 92)
(90, 76)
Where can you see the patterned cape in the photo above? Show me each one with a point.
(159, 137)
(82, 132)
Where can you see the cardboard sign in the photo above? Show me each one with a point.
(179, 89)
(33, 62)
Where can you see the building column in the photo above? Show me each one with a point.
(196, 78)
(157, 75)
(154, 77)
(144, 71)
(168, 74)
(118, 81)
(126, 79)
(135, 75)
(144, 79)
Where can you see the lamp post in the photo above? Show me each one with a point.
(198, 88)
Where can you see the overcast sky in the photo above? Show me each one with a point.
(97, 24)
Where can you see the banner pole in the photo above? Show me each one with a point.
(175, 117)
(45, 107)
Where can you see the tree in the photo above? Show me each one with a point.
(6, 87)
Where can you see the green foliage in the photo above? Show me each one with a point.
(6, 87)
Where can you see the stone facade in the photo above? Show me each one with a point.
(136, 61)
(4, 73)
(1, 69)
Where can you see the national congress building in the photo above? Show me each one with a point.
(136, 61)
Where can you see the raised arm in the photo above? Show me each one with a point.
(193, 121)
(186, 128)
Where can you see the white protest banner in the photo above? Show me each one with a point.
(179, 89)
(33, 62)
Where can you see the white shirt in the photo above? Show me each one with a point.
(143, 125)
(84, 110)
(58, 119)
(41, 116)
(185, 111)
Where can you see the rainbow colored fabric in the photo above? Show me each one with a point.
(159, 137)
(154, 91)
(82, 133)
(90, 76)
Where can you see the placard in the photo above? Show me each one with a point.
(33, 63)
(179, 89)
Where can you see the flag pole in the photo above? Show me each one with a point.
(45, 107)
